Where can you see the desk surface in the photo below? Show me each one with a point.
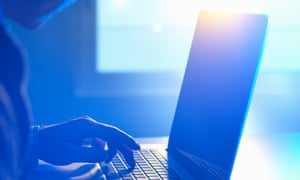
(263, 157)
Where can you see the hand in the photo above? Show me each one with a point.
(33, 13)
(83, 140)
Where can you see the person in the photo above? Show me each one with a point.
(81, 139)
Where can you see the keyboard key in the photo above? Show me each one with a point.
(150, 164)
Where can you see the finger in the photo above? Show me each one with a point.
(125, 151)
(88, 171)
(97, 142)
(121, 138)
(112, 151)
(89, 128)
(128, 155)
(88, 154)
(69, 153)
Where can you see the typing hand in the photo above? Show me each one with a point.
(84, 140)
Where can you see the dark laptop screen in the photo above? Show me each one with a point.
(216, 91)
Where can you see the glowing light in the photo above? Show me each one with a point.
(253, 6)
(120, 3)
(185, 12)
(157, 28)
(252, 155)
(281, 2)
(268, 157)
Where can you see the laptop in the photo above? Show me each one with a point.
(213, 103)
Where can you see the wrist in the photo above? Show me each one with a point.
(33, 148)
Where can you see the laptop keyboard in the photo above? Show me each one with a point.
(150, 164)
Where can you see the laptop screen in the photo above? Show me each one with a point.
(216, 91)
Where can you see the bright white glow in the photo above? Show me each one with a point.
(165, 25)
(120, 3)
(252, 161)
(271, 157)
(157, 27)
(281, 2)
(253, 6)
(185, 12)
